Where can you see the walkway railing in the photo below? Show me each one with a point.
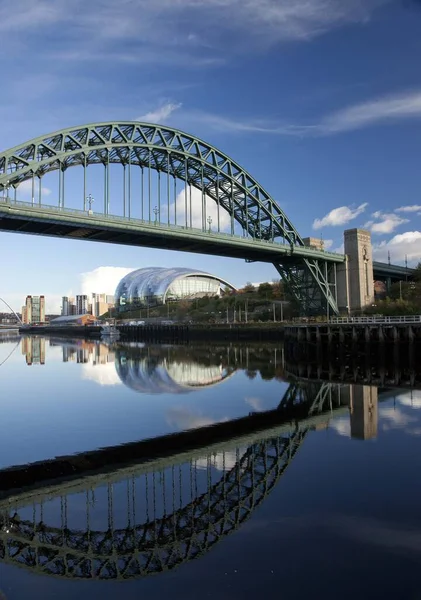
(376, 319)
(157, 224)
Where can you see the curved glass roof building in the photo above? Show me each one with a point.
(157, 285)
(163, 377)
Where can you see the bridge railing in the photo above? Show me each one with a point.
(159, 224)
(376, 319)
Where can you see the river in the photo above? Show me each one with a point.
(210, 467)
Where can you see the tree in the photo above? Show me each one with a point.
(248, 288)
(278, 289)
(183, 308)
(402, 290)
(266, 290)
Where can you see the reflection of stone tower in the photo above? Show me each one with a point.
(363, 408)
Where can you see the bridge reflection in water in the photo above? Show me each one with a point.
(163, 518)
(151, 517)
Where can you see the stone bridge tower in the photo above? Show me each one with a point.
(355, 278)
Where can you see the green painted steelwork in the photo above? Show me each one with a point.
(309, 273)
(396, 272)
(263, 250)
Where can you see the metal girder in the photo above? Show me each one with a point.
(160, 148)
(196, 163)
(310, 281)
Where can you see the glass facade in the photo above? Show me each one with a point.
(157, 285)
(34, 310)
(166, 377)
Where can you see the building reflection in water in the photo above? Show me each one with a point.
(33, 348)
(86, 352)
(158, 370)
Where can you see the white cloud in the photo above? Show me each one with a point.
(342, 426)
(404, 414)
(160, 114)
(327, 244)
(255, 403)
(411, 399)
(25, 188)
(395, 418)
(102, 280)
(228, 124)
(196, 212)
(221, 461)
(339, 216)
(183, 418)
(388, 108)
(401, 245)
(411, 208)
(105, 374)
(164, 22)
(384, 222)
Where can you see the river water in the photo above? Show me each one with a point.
(251, 483)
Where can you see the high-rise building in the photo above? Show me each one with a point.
(81, 304)
(65, 306)
(72, 306)
(34, 310)
(101, 303)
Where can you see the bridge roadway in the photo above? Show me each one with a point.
(404, 379)
(394, 272)
(23, 217)
(68, 474)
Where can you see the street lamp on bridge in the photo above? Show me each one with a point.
(6, 190)
(156, 213)
(89, 200)
(209, 220)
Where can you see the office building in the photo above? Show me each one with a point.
(65, 306)
(34, 310)
(101, 303)
(72, 306)
(81, 304)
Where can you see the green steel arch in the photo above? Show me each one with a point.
(193, 161)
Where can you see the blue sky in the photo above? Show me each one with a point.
(319, 99)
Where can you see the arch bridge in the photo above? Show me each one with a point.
(172, 190)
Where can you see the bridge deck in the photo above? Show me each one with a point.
(23, 217)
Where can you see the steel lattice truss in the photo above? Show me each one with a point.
(191, 160)
(159, 545)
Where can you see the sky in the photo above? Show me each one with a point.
(320, 100)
